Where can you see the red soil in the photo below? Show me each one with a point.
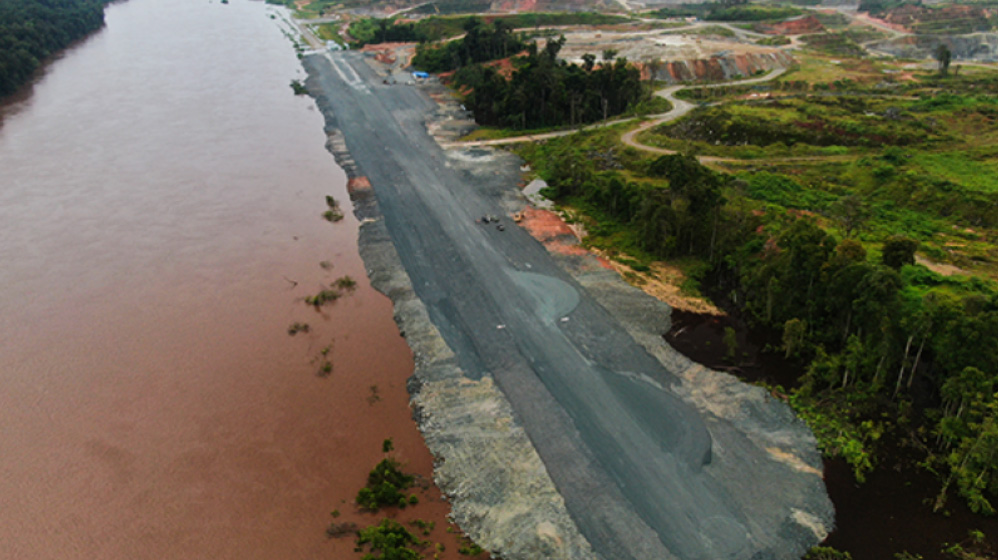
(556, 235)
(358, 184)
(809, 24)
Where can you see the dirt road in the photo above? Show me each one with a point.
(643, 473)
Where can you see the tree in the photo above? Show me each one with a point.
(899, 251)
(851, 213)
(794, 335)
(730, 344)
(943, 56)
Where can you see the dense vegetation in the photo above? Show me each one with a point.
(454, 7)
(544, 91)
(818, 121)
(481, 42)
(824, 254)
(878, 8)
(385, 484)
(33, 30)
(389, 540)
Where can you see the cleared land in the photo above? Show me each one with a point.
(643, 472)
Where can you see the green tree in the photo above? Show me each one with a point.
(943, 56)
(389, 540)
(972, 465)
(899, 251)
(851, 212)
(730, 344)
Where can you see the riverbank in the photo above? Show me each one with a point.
(762, 475)
(484, 462)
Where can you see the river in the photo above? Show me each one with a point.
(161, 192)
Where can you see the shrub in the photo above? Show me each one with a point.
(391, 539)
(340, 529)
(384, 485)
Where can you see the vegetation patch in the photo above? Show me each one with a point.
(389, 540)
(335, 291)
(775, 41)
(333, 213)
(544, 92)
(836, 43)
(724, 11)
(815, 120)
(710, 30)
(385, 484)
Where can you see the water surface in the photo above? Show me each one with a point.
(160, 199)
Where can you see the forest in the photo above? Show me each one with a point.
(481, 43)
(544, 91)
(33, 30)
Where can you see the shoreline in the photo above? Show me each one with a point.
(437, 386)
(464, 421)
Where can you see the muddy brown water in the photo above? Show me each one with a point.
(160, 199)
(891, 512)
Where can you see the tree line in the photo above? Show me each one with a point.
(876, 333)
(481, 43)
(33, 30)
(544, 91)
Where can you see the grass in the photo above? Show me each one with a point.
(775, 41)
(976, 171)
(330, 32)
(824, 69)
(710, 30)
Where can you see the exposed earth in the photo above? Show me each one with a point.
(560, 419)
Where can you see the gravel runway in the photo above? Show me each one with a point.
(644, 471)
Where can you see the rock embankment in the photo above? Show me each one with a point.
(716, 68)
(500, 492)
(980, 47)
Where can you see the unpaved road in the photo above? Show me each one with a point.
(639, 467)
(679, 109)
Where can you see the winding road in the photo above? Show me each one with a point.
(679, 109)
